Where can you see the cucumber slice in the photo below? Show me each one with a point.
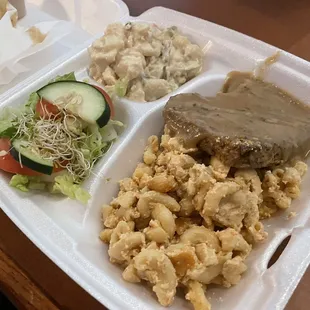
(20, 151)
(87, 102)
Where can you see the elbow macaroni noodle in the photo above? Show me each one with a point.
(178, 222)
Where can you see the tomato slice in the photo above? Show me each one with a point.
(9, 164)
(45, 109)
(108, 99)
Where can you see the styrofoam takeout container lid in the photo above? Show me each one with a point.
(87, 17)
(91, 15)
(67, 232)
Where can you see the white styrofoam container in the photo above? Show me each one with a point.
(67, 232)
(86, 16)
(91, 15)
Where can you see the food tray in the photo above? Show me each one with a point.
(67, 232)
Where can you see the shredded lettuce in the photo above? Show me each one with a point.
(121, 87)
(7, 129)
(65, 184)
(24, 183)
(32, 101)
(37, 185)
(11, 113)
(116, 123)
(9, 116)
(20, 182)
(94, 143)
(9, 121)
(66, 77)
(108, 133)
(100, 139)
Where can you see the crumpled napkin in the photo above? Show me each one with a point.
(16, 44)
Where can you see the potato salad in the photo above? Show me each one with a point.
(143, 62)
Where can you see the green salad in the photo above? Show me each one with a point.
(53, 141)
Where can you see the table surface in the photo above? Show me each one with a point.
(28, 277)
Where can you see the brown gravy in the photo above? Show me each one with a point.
(251, 123)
